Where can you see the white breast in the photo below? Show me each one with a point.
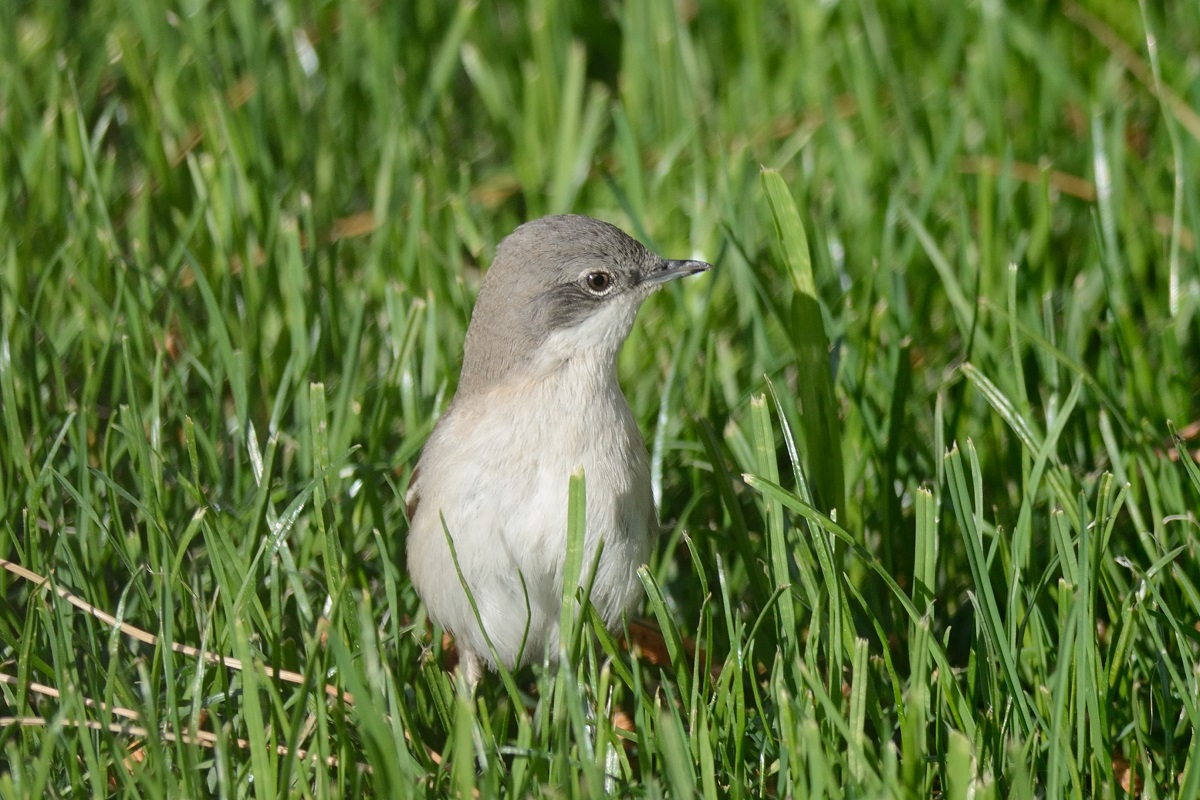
(497, 470)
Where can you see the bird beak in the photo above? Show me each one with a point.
(669, 270)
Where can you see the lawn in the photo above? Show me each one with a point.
(925, 443)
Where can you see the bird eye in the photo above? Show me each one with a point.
(598, 282)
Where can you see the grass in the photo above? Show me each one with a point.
(240, 247)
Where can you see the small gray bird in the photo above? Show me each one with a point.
(538, 398)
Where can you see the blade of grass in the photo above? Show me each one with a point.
(822, 430)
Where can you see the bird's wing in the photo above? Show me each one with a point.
(413, 495)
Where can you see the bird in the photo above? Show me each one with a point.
(537, 400)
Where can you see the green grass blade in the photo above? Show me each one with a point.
(822, 429)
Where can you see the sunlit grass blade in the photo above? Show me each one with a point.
(821, 426)
(764, 443)
(967, 511)
(570, 618)
(670, 631)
